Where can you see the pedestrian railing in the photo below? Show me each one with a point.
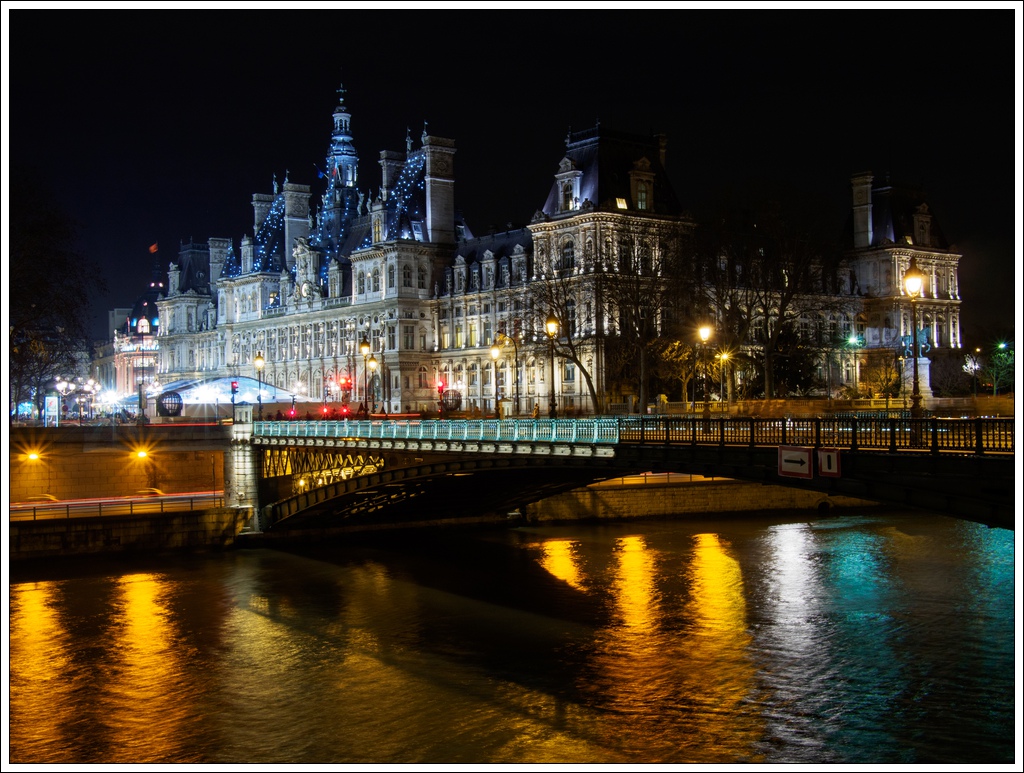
(49, 510)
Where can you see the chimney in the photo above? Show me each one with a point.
(440, 179)
(863, 232)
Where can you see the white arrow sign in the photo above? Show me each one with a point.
(795, 462)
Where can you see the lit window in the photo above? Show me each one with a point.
(620, 203)
(641, 196)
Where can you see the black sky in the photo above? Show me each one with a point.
(157, 126)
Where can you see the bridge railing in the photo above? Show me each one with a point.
(967, 436)
(604, 430)
(936, 435)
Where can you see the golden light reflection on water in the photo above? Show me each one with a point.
(558, 557)
(39, 692)
(673, 668)
(146, 664)
(721, 674)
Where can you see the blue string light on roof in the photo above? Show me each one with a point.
(232, 265)
(270, 238)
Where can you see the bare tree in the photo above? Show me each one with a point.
(566, 294)
(882, 374)
(48, 312)
(765, 279)
(646, 290)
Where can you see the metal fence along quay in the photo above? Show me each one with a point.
(171, 503)
(972, 436)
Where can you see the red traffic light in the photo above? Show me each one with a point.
(234, 387)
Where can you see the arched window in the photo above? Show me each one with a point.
(566, 197)
(406, 276)
(391, 277)
(421, 278)
(376, 280)
(361, 282)
(641, 195)
(568, 256)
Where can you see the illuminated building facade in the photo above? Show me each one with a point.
(401, 271)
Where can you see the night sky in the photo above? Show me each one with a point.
(157, 126)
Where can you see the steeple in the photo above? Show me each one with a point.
(342, 157)
(340, 202)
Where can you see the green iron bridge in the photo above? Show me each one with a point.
(319, 474)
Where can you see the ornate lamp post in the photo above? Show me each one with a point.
(64, 388)
(364, 349)
(705, 334)
(85, 399)
(372, 365)
(723, 359)
(976, 367)
(259, 362)
(913, 282)
(495, 354)
(551, 326)
(495, 351)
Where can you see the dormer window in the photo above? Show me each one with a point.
(568, 182)
(641, 182)
(923, 226)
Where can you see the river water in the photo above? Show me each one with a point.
(870, 637)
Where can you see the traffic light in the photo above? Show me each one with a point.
(234, 390)
(440, 386)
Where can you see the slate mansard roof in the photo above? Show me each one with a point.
(893, 207)
(606, 159)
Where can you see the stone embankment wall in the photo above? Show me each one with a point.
(653, 499)
(77, 474)
(197, 530)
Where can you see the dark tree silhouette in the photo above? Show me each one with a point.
(53, 284)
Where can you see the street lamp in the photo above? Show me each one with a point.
(372, 365)
(976, 368)
(259, 362)
(551, 326)
(364, 349)
(495, 354)
(723, 357)
(515, 348)
(705, 334)
(913, 281)
(64, 388)
(85, 399)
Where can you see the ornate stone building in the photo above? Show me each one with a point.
(384, 298)
(892, 226)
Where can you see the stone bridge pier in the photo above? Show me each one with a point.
(241, 488)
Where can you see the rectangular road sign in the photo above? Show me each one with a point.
(828, 462)
(795, 462)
